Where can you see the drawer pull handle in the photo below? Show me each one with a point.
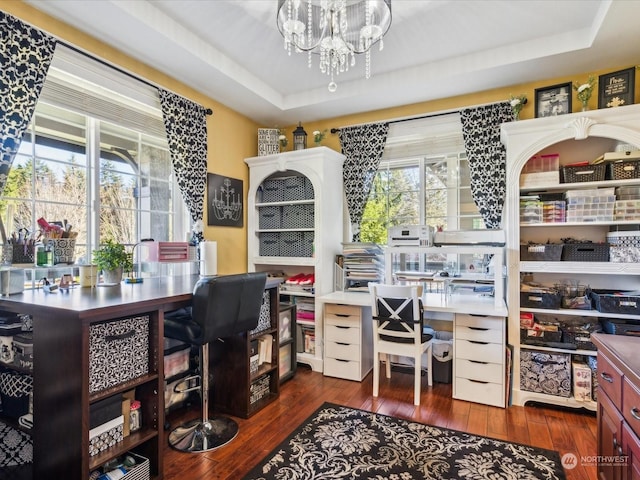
(343, 327)
(615, 443)
(477, 381)
(478, 328)
(340, 360)
(342, 343)
(478, 361)
(635, 413)
(121, 336)
(606, 377)
(344, 315)
(477, 342)
(478, 315)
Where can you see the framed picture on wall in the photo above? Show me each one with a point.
(224, 201)
(552, 101)
(617, 88)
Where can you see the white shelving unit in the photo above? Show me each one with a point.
(575, 137)
(323, 169)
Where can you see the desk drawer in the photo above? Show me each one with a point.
(482, 351)
(610, 380)
(481, 371)
(479, 392)
(342, 334)
(484, 321)
(339, 310)
(480, 334)
(342, 351)
(631, 405)
(347, 369)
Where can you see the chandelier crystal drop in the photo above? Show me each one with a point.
(335, 30)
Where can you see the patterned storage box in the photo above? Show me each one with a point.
(269, 217)
(106, 435)
(297, 216)
(16, 447)
(141, 471)
(291, 244)
(269, 244)
(259, 389)
(543, 372)
(272, 190)
(297, 188)
(15, 390)
(63, 250)
(592, 361)
(118, 352)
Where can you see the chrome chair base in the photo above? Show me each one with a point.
(198, 436)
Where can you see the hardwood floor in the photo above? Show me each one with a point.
(564, 430)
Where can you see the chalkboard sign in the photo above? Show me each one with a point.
(616, 89)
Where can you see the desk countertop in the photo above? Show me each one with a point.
(433, 302)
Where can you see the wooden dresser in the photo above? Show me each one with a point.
(618, 406)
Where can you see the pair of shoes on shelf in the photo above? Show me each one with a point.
(301, 279)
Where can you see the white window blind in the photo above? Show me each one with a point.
(86, 86)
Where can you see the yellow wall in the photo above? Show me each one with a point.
(233, 137)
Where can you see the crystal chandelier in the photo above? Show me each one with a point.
(336, 30)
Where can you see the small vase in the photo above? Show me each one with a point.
(585, 105)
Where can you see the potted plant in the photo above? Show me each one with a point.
(113, 259)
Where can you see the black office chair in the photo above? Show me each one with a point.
(222, 306)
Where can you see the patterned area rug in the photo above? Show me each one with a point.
(339, 442)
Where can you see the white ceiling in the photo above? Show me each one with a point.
(232, 51)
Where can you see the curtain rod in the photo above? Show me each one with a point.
(419, 117)
(208, 111)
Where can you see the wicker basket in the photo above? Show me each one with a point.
(584, 173)
(624, 169)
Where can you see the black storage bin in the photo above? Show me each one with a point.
(549, 252)
(540, 300)
(577, 331)
(614, 326)
(624, 169)
(585, 252)
(583, 173)
(615, 301)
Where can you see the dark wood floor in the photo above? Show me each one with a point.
(564, 430)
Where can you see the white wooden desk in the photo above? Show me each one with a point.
(479, 336)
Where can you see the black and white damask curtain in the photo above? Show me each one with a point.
(25, 57)
(186, 126)
(362, 146)
(487, 158)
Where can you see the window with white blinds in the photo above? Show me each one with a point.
(96, 155)
(423, 179)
